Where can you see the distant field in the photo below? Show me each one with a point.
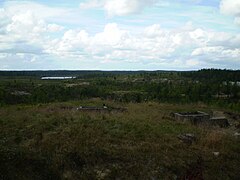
(55, 141)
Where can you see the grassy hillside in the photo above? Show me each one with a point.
(55, 141)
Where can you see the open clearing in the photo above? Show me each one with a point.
(51, 141)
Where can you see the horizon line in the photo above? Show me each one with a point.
(122, 70)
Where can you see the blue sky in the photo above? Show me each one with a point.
(120, 34)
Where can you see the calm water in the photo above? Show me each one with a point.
(57, 78)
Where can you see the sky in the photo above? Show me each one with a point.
(119, 34)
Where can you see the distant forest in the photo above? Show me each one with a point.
(210, 86)
(204, 74)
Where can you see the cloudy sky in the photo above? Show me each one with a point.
(119, 34)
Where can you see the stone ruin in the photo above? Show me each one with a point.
(92, 108)
(200, 117)
(103, 108)
(219, 121)
(197, 117)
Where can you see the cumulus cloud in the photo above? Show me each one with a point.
(217, 53)
(30, 37)
(76, 43)
(39, 10)
(183, 47)
(217, 56)
(119, 7)
(27, 22)
(22, 30)
(231, 7)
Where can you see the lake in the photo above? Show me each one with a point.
(57, 78)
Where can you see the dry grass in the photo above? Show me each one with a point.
(214, 139)
(49, 141)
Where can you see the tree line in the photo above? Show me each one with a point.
(210, 86)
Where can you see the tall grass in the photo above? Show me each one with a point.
(55, 141)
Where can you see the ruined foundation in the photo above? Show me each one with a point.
(197, 117)
(219, 121)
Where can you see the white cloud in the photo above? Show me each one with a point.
(119, 7)
(154, 45)
(92, 4)
(27, 22)
(207, 50)
(217, 54)
(192, 63)
(27, 35)
(3, 55)
(200, 36)
(111, 35)
(237, 20)
(23, 30)
(39, 10)
(231, 7)
(125, 7)
(154, 31)
(54, 28)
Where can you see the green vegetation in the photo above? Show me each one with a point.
(44, 136)
(214, 87)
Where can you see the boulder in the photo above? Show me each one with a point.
(187, 138)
